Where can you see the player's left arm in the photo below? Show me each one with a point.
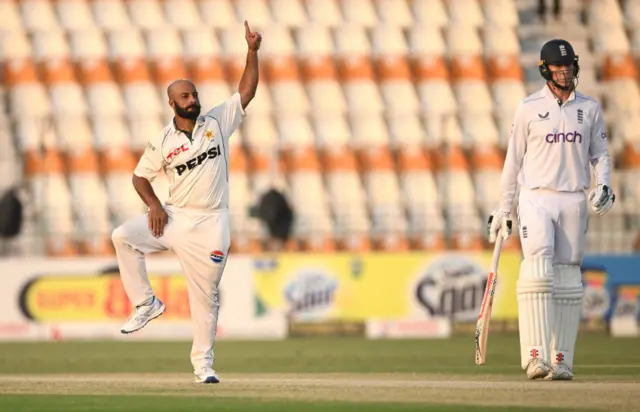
(249, 81)
(230, 113)
(602, 196)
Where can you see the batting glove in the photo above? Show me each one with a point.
(601, 199)
(497, 221)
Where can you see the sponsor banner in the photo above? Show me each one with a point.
(610, 283)
(626, 312)
(408, 328)
(308, 288)
(84, 298)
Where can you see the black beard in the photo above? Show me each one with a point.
(188, 114)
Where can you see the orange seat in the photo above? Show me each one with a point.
(132, 70)
(318, 68)
(58, 71)
(483, 158)
(468, 68)
(94, 71)
(19, 71)
(619, 67)
(204, 70)
(430, 68)
(393, 68)
(166, 70)
(505, 68)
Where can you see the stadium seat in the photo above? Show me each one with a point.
(356, 71)
(348, 201)
(10, 19)
(394, 13)
(424, 207)
(217, 13)
(245, 230)
(110, 15)
(38, 15)
(89, 203)
(631, 10)
(313, 223)
(478, 130)
(487, 164)
(610, 40)
(361, 13)
(295, 131)
(369, 131)
(315, 51)
(406, 130)
(473, 97)
(123, 201)
(324, 12)
(604, 13)
(507, 96)
(256, 12)
(393, 69)
(165, 52)
(74, 14)
(45, 174)
(332, 131)
(288, 13)
(465, 13)
(456, 188)
(500, 13)
(430, 13)
(145, 14)
(182, 14)
(388, 223)
(112, 132)
(259, 131)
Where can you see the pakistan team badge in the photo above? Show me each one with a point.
(209, 134)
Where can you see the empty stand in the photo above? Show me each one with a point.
(385, 122)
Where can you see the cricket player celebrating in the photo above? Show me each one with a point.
(193, 152)
(557, 132)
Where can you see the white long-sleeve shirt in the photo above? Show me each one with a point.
(552, 144)
(197, 169)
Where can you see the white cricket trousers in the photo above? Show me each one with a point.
(553, 228)
(553, 224)
(200, 240)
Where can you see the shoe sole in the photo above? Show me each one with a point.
(539, 375)
(563, 377)
(209, 380)
(152, 317)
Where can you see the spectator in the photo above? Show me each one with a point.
(542, 10)
(275, 212)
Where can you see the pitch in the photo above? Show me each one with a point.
(338, 374)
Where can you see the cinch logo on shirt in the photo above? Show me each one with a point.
(571, 137)
(197, 161)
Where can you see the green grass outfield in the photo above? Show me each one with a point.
(335, 374)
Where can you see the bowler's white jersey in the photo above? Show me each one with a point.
(197, 169)
(551, 146)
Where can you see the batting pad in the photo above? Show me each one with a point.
(535, 308)
(567, 300)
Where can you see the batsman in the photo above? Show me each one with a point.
(556, 133)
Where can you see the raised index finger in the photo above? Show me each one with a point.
(247, 30)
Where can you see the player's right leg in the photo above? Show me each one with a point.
(535, 284)
(132, 240)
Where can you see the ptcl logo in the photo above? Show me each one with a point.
(175, 152)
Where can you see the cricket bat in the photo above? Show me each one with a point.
(482, 326)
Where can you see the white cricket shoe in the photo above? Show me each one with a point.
(206, 375)
(537, 369)
(142, 315)
(560, 372)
